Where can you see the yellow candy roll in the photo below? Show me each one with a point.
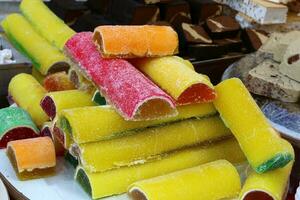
(116, 181)
(262, 145)
(150, 143)
(211, 181)
(55, 102)
(269, 186)
(46, 22)
(37, 75)
(103, 122)
(177, 77)
(45, 58)
(27, 93)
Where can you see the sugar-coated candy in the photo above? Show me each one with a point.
(211, 181)
(175, 76)
(136, 41)
(27, 93)
(262, 145)
(16, 124)
(45, 58)
(114, 182)
(32, 158)
(46, 22)
(90, 124)
(149, 144)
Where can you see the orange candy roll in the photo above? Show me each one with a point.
(32, 158)
(58, 82)
(136, 41)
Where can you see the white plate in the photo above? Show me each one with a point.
(3, 191)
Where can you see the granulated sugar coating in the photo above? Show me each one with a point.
(123, 86)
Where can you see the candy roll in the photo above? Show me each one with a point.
(136, 41)
(16, 124)
(46, 22)
(103, 122)
(270, 185)
(215, 180)
(262, 145)
(122, 85)
(114, 182)
(98, 99)
(174, 75)
(55, 102)
(149, 144)
(58, 82)
(27, 94)
(32, 158)
(45, 58)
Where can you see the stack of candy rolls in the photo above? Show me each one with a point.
(131, 93)
(262, 145)
(45, 57)
(27, 93)
(16, 124)
(54, 102)
(174, 75)
(215, 180)
(117, 181)
(149, 144)
(53, 29)
(103, 122)
(135, 41)
(58, 82)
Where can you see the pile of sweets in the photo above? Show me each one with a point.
(162, 122)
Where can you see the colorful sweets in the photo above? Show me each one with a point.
(262, 145)
(122, 85)
(174, 75)
(211, 181)
(55, 102)
(103, 122)
(58, 82)
(32, 158)
(136, 41)
(46, 22)
(15, 124)
(269, 186)
(116, 181)
(27, 94)
(46, 58)
(149, 144)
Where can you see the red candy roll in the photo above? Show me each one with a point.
(123, 86)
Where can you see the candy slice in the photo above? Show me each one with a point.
(268, 186)
(136, 41)
(46, 130)
(103, 122)
(262, 145)
(149, 144)
(46, 58)
(58, 82)
(46, 22)
(15, 124)
(27, 93)
(116, 181)
(55, 102)
(211, 181)
(122, 85)
(174, 76)
(32, 158)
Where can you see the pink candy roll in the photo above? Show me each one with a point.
(133, 95)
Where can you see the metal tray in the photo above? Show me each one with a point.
(7, 71)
